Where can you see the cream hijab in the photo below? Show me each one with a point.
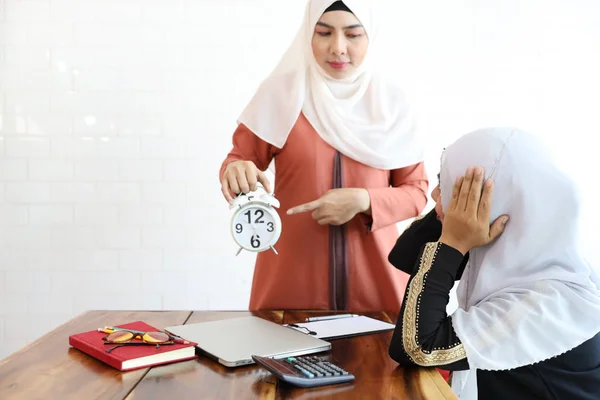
(530, 295)
(365, 117)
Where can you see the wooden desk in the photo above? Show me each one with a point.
(50, 369)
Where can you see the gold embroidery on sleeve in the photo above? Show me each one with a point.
(410, 319)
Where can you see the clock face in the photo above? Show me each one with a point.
(255, 228)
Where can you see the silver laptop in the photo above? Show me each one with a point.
(233, 341)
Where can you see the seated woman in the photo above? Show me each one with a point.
(528, 321)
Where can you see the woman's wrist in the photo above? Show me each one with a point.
(364, 201)
(456, 244)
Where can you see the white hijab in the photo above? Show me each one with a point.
(530, 295)
(364, 116)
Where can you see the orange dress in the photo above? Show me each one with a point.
(303, 274)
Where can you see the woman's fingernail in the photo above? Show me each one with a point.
(505, 220)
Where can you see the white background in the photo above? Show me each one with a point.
(115, 116)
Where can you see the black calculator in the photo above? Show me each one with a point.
(305, 371)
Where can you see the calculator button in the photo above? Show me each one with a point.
(304, 371)
(308, 374)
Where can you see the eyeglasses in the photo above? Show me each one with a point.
(124, 338)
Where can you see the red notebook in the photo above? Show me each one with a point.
(127, 358)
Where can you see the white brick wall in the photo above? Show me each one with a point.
(51, 170)
(116, 114)
(51, 214)
(27, 147)
(13, 170)
(105, 169)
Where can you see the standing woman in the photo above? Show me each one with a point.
(348, 167)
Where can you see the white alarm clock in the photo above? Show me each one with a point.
(255, 224)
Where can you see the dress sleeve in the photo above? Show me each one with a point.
(424, 335)
(424, 229)
(405, 198)
(249, 147)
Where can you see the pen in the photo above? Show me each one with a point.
(327, 317)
